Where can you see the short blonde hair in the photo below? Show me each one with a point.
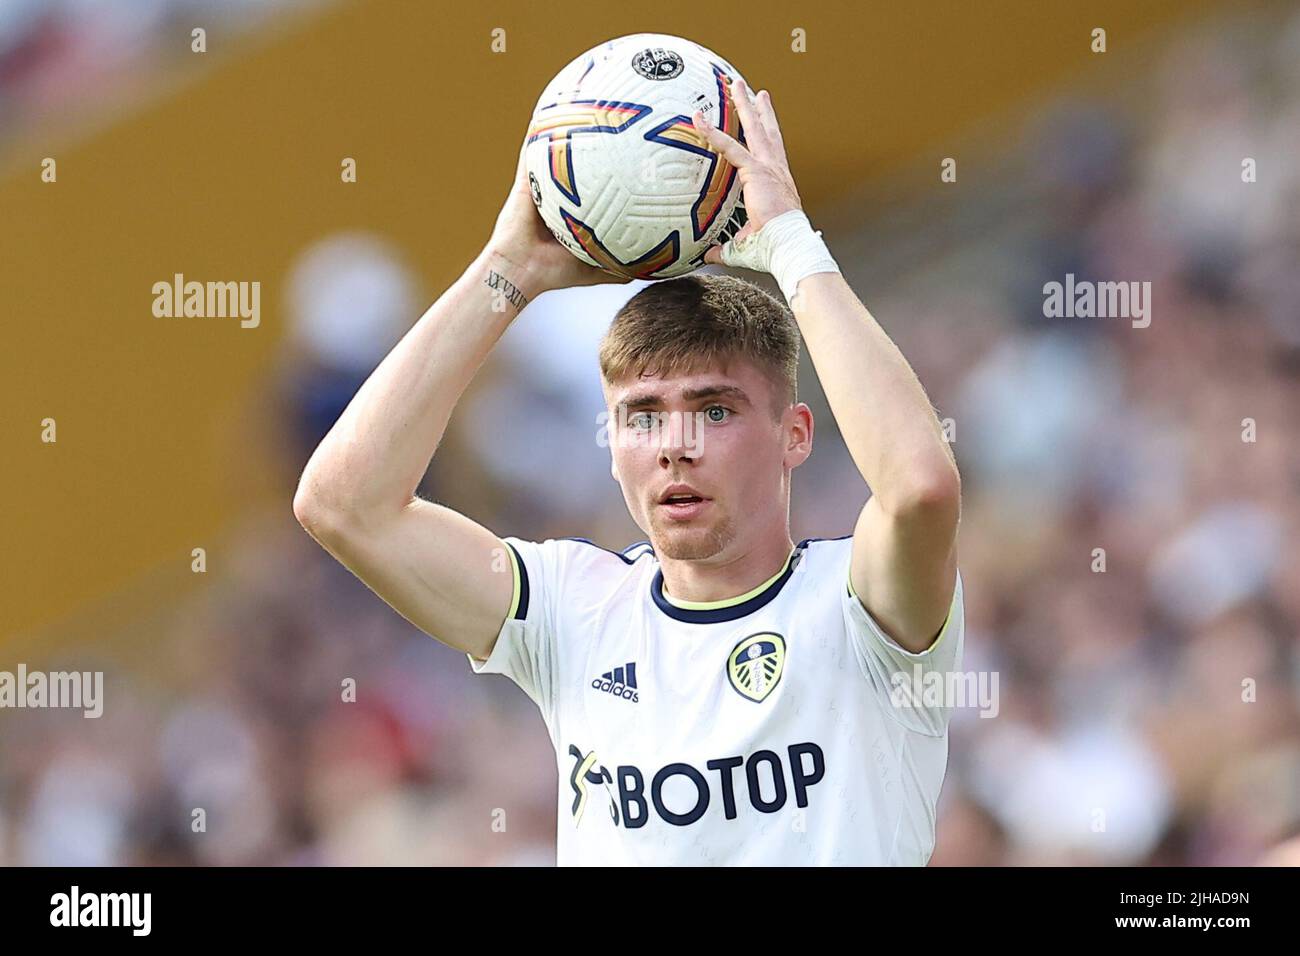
(682, 325)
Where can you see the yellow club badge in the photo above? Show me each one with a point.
(755, 665)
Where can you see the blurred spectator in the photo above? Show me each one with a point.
(350, 298)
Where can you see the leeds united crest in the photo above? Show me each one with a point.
(755, 665)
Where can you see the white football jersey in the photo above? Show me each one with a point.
(767, 729)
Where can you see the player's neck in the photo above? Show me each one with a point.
(705, 581)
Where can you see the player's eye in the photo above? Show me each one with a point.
(722, 413)
(642, 420)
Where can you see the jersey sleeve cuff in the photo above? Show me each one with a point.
(497, 660)
(518, 612)
(860, 611)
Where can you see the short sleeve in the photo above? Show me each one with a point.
(525, 648)
(915, 686)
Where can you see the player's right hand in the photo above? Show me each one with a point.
(522, 238)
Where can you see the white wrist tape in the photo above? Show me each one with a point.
(786, 247)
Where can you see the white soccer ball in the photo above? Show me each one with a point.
(616, 167)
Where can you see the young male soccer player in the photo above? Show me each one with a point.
(716, 695)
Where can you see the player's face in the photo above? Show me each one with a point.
(703, 462)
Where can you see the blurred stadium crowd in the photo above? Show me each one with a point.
(72, 58)
(1147, 714)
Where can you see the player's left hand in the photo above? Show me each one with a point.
(765, 179)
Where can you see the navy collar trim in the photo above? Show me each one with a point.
(732, 612)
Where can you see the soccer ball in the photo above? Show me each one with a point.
(616, 168)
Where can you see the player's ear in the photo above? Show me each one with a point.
(798, 423)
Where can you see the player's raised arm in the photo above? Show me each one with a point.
(357, 495)
(904, 561)
(904, 566)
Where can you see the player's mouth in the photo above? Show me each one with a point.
(682, 502)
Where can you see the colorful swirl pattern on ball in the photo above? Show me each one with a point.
(679, 132)
(660, 257)
(560, 121)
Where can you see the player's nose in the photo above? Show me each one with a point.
(679, 438)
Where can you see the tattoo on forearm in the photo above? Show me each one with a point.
(505, 292)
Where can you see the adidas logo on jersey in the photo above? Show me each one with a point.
(621, 682)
